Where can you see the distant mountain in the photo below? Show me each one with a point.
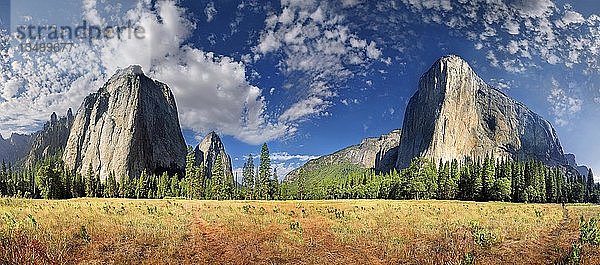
(13, 149)
(206, 154)
(572, 161)
(378, 153)
(129, 125)
(455, 114)
(51, 140)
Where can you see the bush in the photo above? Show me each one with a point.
(482, 236)
(588, 231)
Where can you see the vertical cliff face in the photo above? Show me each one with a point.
(51, 140)
(206, 154)
(455, 114)
(129, 125)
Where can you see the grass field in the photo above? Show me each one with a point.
(120, 231)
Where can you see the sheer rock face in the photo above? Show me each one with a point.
(128, 126)
(51, 140)
(206, 154)
(378, 153)
(455, 114)
(13, 149)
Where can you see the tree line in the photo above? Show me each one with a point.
(51, 180)
(487, 179)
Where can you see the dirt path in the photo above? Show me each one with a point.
(558, 242)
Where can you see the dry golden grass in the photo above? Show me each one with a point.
(120, 231)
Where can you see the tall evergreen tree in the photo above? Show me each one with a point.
(589, 185)
(174, 189)
(111, 188)
(90, 187)
(248, 177)
(219, 187)
(141, 188)
(264, 172)
(3, 180)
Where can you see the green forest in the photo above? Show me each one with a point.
(487, 179)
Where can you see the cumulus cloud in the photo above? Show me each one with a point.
(562, 105)
(212, 91)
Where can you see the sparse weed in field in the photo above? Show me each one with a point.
(589, 232)
(247, 208)
(152, 209)
(468, 259)
(32, 220)
(575, 255)
(83, 234)
(295, 226)
(482, 236)
(339, 214)
(538, 213)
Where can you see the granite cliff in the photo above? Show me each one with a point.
(206, 154)
(454, 114)
(129, 125)
(51, 140)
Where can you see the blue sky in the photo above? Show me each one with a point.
(312, 77)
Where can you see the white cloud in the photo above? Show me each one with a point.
(562, 105)
(210, 11)
(304, 108)
(512, 27)
(284, 168)
(532, 8)
(284, 156)
(549, 34)
(317, 50)
(571, 17)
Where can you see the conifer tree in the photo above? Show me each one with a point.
(174, 187)
(264, 173)
(248, 177)
(90, 187)
(111, 190)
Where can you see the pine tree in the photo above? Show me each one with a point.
(453, 180)
(175, 192)
(3, 180)
(487, 179)
(248, 177)
(443, 172)
(301, 181)
(264, 173)
(90, 187)
(274, 185)
(110, 190)
(141, 189)
(589, 185)
(219, 186)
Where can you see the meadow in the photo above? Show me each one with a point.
(125, 231)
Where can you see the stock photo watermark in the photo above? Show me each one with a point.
(57, 38)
